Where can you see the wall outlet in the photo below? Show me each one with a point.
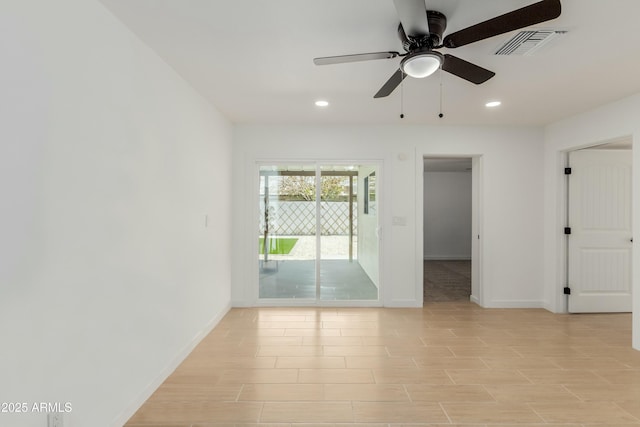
(55, 420)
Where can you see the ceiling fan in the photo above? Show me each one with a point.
(421, 32)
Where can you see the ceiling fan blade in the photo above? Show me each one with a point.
(328, 60)
(391, 84)
(529, 15)
(466, 70)
(413, 17)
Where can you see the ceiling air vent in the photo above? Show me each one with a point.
(528, 42)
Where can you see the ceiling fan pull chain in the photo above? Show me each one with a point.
(441, 115)
(402, 95)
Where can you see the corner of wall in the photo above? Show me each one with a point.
(145, 394)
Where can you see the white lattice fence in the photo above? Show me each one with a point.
(299, 218)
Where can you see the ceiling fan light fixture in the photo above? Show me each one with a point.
(421, 64)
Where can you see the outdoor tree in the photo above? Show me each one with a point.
(303, 187)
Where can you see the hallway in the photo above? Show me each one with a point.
(444, 364)
(447, 280)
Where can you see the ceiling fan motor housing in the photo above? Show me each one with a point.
(437, 25)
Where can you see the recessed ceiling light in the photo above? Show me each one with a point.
(322, 103)
(492, 104)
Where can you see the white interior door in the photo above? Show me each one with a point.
(601, 237)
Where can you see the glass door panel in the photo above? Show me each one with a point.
(343, 225)
(287, 232)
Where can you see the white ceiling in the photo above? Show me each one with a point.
(253, 60)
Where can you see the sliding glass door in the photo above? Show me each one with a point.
(318, 233)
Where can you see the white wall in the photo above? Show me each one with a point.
(609, 122)
(512, 200)
(447, 215)
(367, 231)
(109, 163)
(510, 217)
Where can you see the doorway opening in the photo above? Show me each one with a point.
(318, 234)
(448, 244)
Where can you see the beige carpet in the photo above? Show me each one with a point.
(447, 280)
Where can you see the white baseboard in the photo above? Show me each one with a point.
(168, 370)
(474, 299)
(405, 303)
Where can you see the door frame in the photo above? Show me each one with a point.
(478, 294)
(251, 244)
(557, 273)
(563, 261)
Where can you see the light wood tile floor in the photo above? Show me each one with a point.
(447, 364)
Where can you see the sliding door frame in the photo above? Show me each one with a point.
(253, 222)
